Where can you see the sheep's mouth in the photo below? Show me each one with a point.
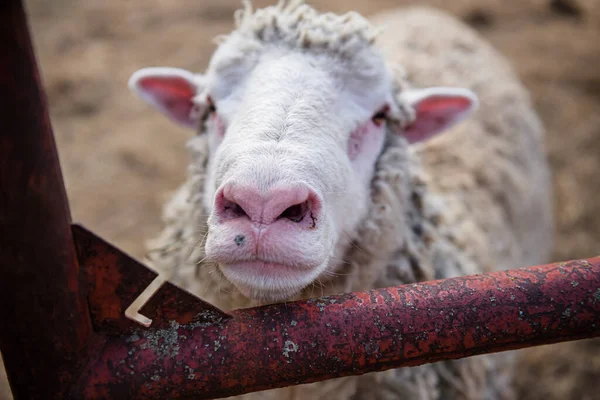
(265, 281)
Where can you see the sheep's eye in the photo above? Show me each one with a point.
(211, 105)
(379, 118)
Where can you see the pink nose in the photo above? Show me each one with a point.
(297, 203)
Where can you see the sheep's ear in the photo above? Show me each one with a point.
(170, 90)
(436, 109)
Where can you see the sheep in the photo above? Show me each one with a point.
(327, 159)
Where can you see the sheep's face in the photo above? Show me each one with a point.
(294, 140)
(294, 150)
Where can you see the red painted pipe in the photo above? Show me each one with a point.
(351, 334)
(44, 320)
(193, 349)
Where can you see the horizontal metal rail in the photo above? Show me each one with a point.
(350, 334)
(64, 293)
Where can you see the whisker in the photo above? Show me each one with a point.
(322, 287)
(176, 244)
(201, 261)
(334, 274)
(339, 260)
(221, 286)
(353, 243)
(312, 289)
(341, 192)
(198, 244)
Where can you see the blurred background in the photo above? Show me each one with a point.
(121, 161)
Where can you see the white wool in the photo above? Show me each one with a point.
(298, 25)
(472, 200)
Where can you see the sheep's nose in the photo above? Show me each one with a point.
(297, 203)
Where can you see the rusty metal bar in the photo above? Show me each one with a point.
(45, 323)
(64, 334)
(351, 334)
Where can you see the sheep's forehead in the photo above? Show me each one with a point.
(289, 95)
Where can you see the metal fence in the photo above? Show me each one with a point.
(64, 293)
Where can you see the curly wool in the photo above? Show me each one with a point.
(470, 201)
(298, 25)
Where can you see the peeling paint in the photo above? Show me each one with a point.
(163, 342)
(133, 338)
(289, 347)
(190, 372)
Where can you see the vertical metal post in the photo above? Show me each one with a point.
(45, 319)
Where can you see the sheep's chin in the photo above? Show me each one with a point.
(266, 282)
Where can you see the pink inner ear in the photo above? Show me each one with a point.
(173, 95)
(434, 114)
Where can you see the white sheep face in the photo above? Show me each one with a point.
(294, 140)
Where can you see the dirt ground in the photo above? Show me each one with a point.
(121, 161)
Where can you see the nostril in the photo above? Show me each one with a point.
(232, 210)
(295, 213)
